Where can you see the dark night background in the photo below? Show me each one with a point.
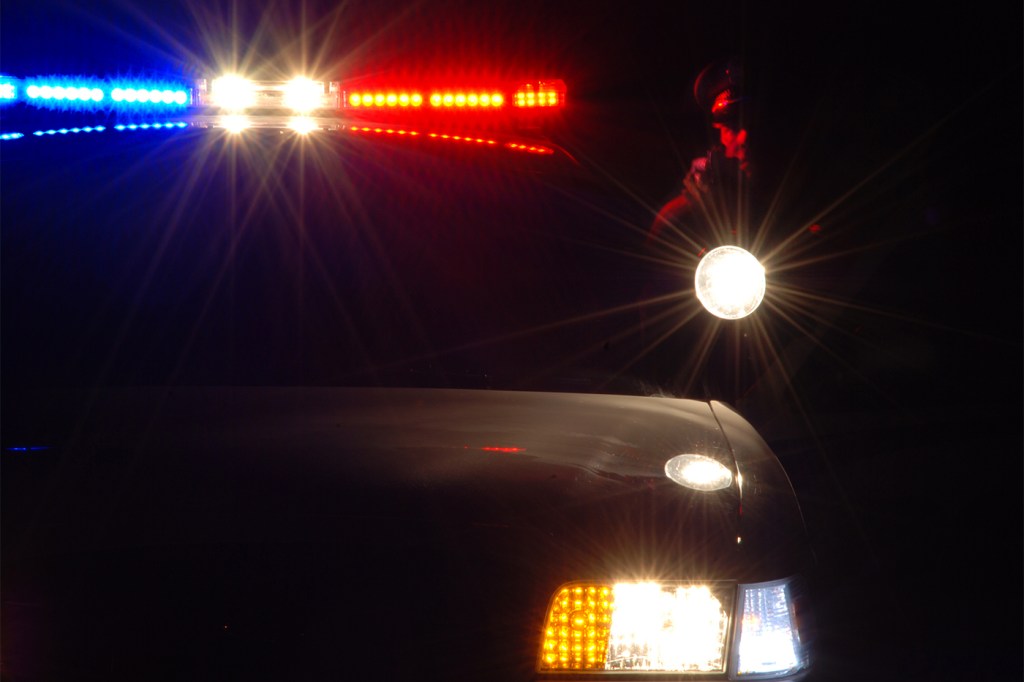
(900, 424)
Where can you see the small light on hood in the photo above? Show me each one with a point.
(698, 472)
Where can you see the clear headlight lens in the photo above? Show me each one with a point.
(767, 638)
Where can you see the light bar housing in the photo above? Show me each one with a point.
(487, 103)
(239, 95)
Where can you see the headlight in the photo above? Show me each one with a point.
(673, 627)
(636, 626)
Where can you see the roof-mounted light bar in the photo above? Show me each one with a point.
(233, 93)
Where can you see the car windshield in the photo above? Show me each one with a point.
(324, 260)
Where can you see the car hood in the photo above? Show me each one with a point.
(280, 511)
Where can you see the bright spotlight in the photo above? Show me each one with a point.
(233, 93)
(303, 95)
(730, 282)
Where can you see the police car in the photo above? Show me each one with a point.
(364, 398)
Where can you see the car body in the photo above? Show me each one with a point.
(387, 532)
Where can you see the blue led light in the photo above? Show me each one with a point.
(64, 92)
(158, 95)
(11, 136)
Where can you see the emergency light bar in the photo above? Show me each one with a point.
(235, 103)
(233, 93)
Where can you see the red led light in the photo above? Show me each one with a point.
(466, 99)
(438, 98)
(389, 99)
(543, 94)
(530, 95)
